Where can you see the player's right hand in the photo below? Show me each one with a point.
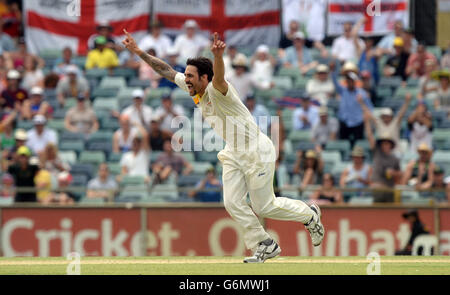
(130, 43)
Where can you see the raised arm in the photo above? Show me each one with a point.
(218, 80)
(404, 107)
(157, 64)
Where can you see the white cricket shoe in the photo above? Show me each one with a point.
(315, 227)
(266, 249)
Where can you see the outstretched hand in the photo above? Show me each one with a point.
(130, 43)
(218, 46)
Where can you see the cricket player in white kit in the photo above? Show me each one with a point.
(248, 157)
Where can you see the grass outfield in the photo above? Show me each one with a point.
(399, 265)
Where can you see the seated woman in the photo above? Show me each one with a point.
(358, 174)
(309, 166)
(419, 173)
(327, 193)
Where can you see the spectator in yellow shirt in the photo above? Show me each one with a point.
(101, 57)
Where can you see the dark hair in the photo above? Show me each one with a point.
(204, 66)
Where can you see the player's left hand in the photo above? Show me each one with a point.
(218, 46)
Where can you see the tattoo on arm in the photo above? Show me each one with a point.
(159, 66)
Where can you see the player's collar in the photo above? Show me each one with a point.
(197, 98)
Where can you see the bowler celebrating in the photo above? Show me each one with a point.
(248, 157)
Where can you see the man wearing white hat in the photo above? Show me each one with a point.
(72, 84)
(262, 67)
(320, 87)
(35, 104)
(13, 94)
(139, 113)
(249, 155)
(190, 43)
(39, 136)
(240, 77)
(156, 40)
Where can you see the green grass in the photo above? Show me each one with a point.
(399, 265)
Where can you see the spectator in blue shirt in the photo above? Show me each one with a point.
(259, 112)
(212, 186)
(298, 56)
(305, 117)
(350, 114)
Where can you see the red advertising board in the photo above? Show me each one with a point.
(350, 232)
(56, 232)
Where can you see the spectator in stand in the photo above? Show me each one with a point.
(39, 136)
(209, 182)
(104, 29)
(416, 61)
(350, 114)
(146, 72)
(172, 58)
(386, 166)
(240, 78)
(358, 174)
(7, 124)
(396, 64)
(367, 56)
(62, 195)
(12, 18)
(6, 42)
(410, 42)
(129, 60)
(190, 43)
(139, 113)
(320, 87)
(50, 160)
(386, 122)
(10, 156)
(325, 129)
(427, 85)
(368, 84)
(306, 116)
(123, 137)
(156, 40)
(298, 56)
(259, 112)
(81, 118)
(343, 47)
(420, 124)
(16, 59)
(24, 173)
(419, 173)
(158, 136)
(228, 59)
(387, 43)
(7, 189)
(64, 62)
(442, 100)
(445, 58)
(36, 105)
(72, 85)
(327, 193)
(3, 73)
(309, 166)
(103, 186)
(32, 74)
(262, 66)
(101, 57)
(136, 162)
(167, 112)
(169, 164)
(13, 96)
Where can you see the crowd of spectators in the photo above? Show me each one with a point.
(341, 97)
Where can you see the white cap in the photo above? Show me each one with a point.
(39, 119)
(299, 35)
(386, 112)
(36, 90)
(71, 69)
(447, 180)
(138, 93)
(13, 74)
(190, 23)
(262, 49)
(322, 68)
(171, 51)
(352, 76)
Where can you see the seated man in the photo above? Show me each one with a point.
(358, 173)
(306, 116)
(158, 136)
(420, 173)
(81, 118)
(72, 85)
(62, 195)
(169, 162)
(40, 135)
(35, 104)
(101, 57)
(167, 112)
(209, 183)
(103, 186)
(136, 162)
(325, 129)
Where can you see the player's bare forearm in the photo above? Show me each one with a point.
(159, 66)
(218, 79)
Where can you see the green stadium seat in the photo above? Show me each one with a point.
(269, 94)
(96, 73)
(188, 156)
(105, 92)
(114, 157)
(293, 73)
(56, 124)
(124, 72)
(50, 53)
(25, 124)
(72, 145)
(200, 167)
(92, 201)
(133, 193)
(167, 192)
(343, 146)
(300, 135)
(92, 157)
(439, 134)
(136, 82)
(332, 157)
(114, 168)
(126, 93)
(402, 91)
(282, 82)
(132, 180)
(339, 167)
(440, 156)
(158, 93)
(436, 50)
(113, 82)
(101, 135)
(179, 94)
(106, 104)
(300, 82)
(68, 156)
(210, 157)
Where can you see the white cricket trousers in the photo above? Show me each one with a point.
(248, 173)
